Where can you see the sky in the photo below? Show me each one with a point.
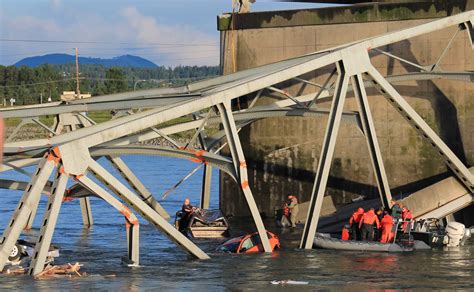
(167, 32)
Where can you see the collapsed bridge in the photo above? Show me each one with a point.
(75, 142)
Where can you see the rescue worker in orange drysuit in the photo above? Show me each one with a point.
(366, 225)
(386, 226)
(354, 224)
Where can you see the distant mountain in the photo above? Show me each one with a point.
(58, 59)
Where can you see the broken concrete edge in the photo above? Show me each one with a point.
(343, 14)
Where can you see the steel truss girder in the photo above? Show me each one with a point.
(243, 83)
(24, 209)
(21, 147)
(240, 166)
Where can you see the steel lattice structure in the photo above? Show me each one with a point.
(76, 141)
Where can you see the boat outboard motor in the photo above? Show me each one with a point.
(467, 235)
(456, 234)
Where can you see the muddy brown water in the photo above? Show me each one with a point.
(166, 267)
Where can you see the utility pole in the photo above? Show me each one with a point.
(78, 92)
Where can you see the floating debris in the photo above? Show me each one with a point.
(289, 282)
(50, 271)
(68, 270)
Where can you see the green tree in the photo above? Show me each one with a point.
(115, 80)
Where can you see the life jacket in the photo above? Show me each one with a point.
(407, 215)
(286, 211)
(369, 218)
(356, 217)
(345, 233)
(387, 222)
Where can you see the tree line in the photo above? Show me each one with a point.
(27, 85)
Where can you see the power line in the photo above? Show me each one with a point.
(172, 52)
(104, 79)
(110, 43)
(37, 83)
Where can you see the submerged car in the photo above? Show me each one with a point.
(202, 223)
(24, 249)
(249, 243)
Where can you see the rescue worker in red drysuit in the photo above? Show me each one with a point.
(285, 217)
(386, 226)
(366, 225)
(345, 232)
(354, 224)
(406, 216)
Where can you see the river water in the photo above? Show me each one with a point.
(166, 267)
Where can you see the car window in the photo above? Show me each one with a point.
(256, 239)
(231, 247)
(247, 244)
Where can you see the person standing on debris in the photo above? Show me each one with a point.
(366, 224)
(354, 223)
(293, 207)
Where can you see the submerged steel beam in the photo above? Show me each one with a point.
(327, 152)
(240, 166)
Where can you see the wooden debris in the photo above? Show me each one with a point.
(15, 271)
(67, 270)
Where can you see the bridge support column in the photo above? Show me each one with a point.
(131, 221)
(86, 212)
(240, 166)
(49, 223)
(23, 210)
(327, 151)
(133, 242)
(206, 187)
(146, 211)
(137, 185)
